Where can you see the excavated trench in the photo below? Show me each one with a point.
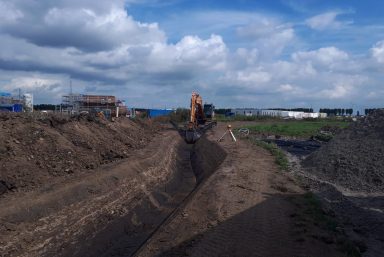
(126, 235)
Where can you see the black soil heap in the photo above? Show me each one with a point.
(354, 158)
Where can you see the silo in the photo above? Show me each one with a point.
(28, 102)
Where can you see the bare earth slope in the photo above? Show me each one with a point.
(246, 208)
(165, 198)
(106, 213)
(354, 158)
(35, 151)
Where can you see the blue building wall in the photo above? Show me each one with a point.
(11, 107)
(158, 112)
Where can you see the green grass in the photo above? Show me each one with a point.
(221, 117)
(296, 128)
(280, 157)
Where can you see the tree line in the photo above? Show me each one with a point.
(46, 107)
(336, 111)
(370, 110)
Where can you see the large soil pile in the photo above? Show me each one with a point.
(354, 159)
(36, 151)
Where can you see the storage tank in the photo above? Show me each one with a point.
(28, 102)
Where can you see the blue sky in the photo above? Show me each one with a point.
(177, 19)
(293, 53)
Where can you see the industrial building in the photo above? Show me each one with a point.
(277, 113)
(109, 105)
(152, 113)
(9, 103)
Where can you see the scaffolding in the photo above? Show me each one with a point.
(77, 103)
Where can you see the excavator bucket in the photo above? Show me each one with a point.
(191, 136)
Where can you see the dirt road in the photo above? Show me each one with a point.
(246, 208)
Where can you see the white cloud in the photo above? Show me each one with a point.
(84, 28)
(378, 51)
(105, 50)
(285, 88)
(326, 20)
(208, 53)
(328, 57)
(268, 35)
(45, 88)
(9, 13)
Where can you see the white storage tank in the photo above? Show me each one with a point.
(28, 101)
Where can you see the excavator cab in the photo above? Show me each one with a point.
(209, 111)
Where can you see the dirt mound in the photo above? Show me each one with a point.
(35, 151)
(353, 159)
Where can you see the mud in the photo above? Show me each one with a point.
(297, 147)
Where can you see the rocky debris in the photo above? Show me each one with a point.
(38, 149)
(353, 159)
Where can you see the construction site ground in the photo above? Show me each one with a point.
(166, 198)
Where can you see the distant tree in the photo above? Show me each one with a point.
(180, 115)
(46, 107)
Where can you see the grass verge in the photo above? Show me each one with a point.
(280, 157)
(296, 128)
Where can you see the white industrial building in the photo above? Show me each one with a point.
(277, 113)
(246, 111)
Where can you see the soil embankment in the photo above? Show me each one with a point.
(353, 159)
(165, 198)
(38, 150)
(110, 210)
(348, 174)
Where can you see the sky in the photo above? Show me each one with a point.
(238, 53)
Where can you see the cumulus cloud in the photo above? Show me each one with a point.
(104, 50)
(378, 52)
(326, 20)
(45, 88)
(101, 43)
(9, 13)
(83, 28)
(328, 57)
(285, 88)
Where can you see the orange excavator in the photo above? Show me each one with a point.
(199, 122)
